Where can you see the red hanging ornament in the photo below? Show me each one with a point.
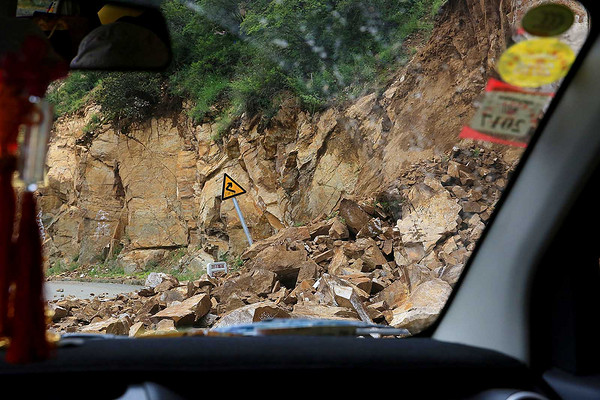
(28, 331)
(12, 112)
(25, 74)
(7, 215)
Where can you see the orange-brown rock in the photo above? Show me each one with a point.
(185, 312)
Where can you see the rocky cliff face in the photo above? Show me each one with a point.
(393, 264)
(156, 187)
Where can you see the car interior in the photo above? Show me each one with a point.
(518, 325)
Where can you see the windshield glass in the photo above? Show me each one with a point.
(320, 159)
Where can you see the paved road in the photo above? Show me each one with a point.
(84, 290)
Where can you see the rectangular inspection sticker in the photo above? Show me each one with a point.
(507, 115)
(510, 114)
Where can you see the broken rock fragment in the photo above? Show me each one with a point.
(112, 326)
(339, 262)
(303, 291)
(165, 325)
(290, 266)
(326, 255)
(372, 229)
(338, 230)
(186, 312)
(289, 234)
(432, 214)
(321, 228)
(156, 278)
(137, 329)
(422, 306)
(252, 313)
(58, 312)
(170, 296)
(259, 282)
(319, 311)
(393, 295)
(343, 293)
(372, 255)
(354, 216)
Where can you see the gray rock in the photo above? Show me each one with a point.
(155, 278)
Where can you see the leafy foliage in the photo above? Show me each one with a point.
(69, 95)
(235, 56)
(205, 54)
(129, 95)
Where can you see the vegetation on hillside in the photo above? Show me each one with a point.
(236, 56)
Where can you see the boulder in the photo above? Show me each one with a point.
(156, 278)
(343, 293)
(185, 312)
(291, 266)
(353, 215)
(252, 313)
(165, 325)
(422, 306)
(372, 229)
(291, 234)
(338, 230)
(259, 282)
(112, 326)
(431, 215)
(317, 311)
(392, 295)
(58, 312)
(137, 329)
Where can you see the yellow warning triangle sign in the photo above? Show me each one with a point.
(230, 188)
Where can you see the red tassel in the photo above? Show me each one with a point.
(28, 336)
(7, 216)
(23, 73)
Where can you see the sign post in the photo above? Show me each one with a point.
(246, 231)
(230, 190)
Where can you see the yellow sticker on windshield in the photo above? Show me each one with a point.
(534, 63)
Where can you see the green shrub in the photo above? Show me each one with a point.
(132, 96)
(205, 53)
(234, 56)
(70, 94)
(93, 124)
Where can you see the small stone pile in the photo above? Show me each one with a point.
(390, 260)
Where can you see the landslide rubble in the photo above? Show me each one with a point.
(391, 259)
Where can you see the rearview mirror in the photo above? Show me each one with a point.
(107, 35)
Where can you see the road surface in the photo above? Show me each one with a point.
(55, 290)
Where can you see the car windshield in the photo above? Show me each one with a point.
(298, 160)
